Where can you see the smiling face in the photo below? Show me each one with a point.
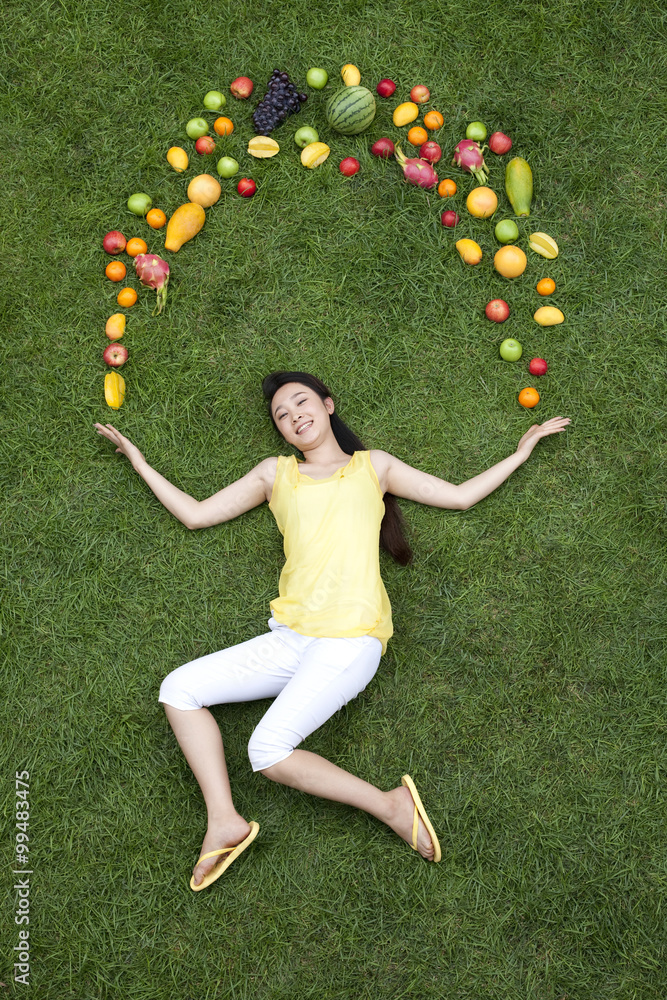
(301, 415)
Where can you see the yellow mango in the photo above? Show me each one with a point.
(351, 75)
(471, 252)
(115, 326)
(178, 159)
(405, 113)
(183, 225)
(548, 316)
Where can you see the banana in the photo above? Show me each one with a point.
(544, 245)
(548, 316)
(261, 147)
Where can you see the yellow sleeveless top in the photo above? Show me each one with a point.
(330, 584)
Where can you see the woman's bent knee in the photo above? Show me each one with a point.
(266, 749)
(174, 693)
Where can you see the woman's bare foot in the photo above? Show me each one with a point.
(401, 818)
(224, 833)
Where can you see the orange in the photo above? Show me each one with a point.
(510, 261)
(546, 286)
(223, 126)
(417, 135)
(446, 188)
(126, 297)
(482, 202)
(156, 218)
(433, 120)
(135, 246)
(115, 270)
(529, 398)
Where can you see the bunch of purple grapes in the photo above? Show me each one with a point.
(281, 100)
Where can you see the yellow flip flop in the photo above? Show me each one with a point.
(420, 812)
(217, 870)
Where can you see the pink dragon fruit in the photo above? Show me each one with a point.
(468, 156)
(419, 172)
(153, 272)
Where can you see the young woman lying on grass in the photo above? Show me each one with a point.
(331, 621)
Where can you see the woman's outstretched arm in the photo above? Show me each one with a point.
(240, 496)
(404, 481)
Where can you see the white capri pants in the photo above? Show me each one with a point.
(310, 679)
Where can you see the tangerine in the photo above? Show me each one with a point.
(115, 270)
(510, 261)
(529, 398)
(223, 126)
(156, 218)
(433, 120)
(126, 297)
(447, 188)
(417, 135)
(135, 246)
(546, 286)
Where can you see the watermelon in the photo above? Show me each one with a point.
(350, 110)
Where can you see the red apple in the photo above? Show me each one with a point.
(386, 87)
(115, 355)
(349, 166)
(383, 148)
(500, 143)
(420, 94)
(497, 310)
(430, 151)
(537, 366)
(115, 242)
(205, 144)
(246, 187)
(242, 87)
(449, 219)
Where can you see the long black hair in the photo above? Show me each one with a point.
(392, 529)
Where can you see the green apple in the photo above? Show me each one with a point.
(511, 350)
(305, 135)
(196, 127)
(476, 131)
(227, 166)
(215, 100)
(139, 203)
(317, 78)
(506, 231)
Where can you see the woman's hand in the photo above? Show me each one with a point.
(537, 431)
(124, 445)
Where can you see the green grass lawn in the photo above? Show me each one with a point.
(524, 688)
